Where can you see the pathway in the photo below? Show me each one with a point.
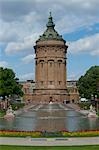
(49, 141)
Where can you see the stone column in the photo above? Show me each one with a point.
(55, 73)
(46, 73)
(36, 72)
(64, 74)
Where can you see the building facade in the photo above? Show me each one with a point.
(73, 91)
(29, 90)
(50, 67)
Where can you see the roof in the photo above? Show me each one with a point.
(50, 33)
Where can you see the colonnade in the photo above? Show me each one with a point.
(51, 73)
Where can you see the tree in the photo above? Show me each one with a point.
(8, 83)
(88, 84)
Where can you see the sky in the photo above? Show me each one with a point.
(23, 21)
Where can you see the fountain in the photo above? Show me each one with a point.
(49, 117)
(50, 102)
(9, 113)
(92, 112)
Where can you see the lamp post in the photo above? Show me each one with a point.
(96, 100)
(92, 99)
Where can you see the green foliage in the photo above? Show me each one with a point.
(2, 113)
(16, 106)
(89, 83)
(51, 134)
(84, 105)
(8, 83)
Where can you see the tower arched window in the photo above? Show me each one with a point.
(59, 62)
(65, 62)
(59, 82)
(42, 63)
(51, 62)
(42, 82)
(36, 62)
(51, 82)
(50, 36)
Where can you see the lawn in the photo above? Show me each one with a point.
(49, 147)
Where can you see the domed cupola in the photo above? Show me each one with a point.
(50, 33)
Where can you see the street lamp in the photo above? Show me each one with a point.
(5, 97)
(96, 100)
(92, 99)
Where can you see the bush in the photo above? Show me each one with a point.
(51, 134)
(16, 106)
(85, 105)
(2, 113)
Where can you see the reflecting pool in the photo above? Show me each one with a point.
(50, 117)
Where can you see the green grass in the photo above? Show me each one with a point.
(50, 147)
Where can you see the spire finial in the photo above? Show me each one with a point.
(50, 14)
(50, 21)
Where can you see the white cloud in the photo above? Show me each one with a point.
(86, 45)
(20, 32)
(73, 14)
(30, 18)
(23, 21)
(28, 76)
(28, 59)
(3, 64)
(95, 52)
(26, 45)
(8, 32)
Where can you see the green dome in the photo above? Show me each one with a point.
(50, 33)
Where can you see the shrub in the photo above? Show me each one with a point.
(85, 105)
(16, 106)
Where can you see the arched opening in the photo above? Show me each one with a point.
(50, 99)
(59, 62)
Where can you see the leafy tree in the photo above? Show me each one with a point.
(8, 83)
(89, 83)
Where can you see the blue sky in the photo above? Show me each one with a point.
(22, 21)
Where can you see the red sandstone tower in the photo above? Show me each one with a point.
(50, 65)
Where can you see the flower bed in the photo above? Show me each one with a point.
(11, 133)
(81, 133)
